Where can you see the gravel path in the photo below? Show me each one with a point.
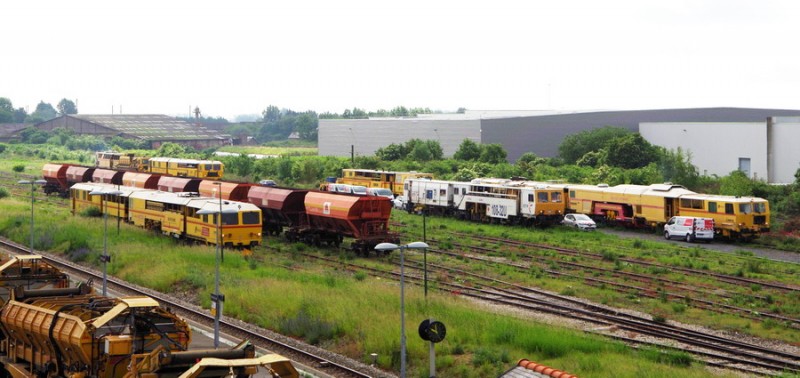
(725, 247)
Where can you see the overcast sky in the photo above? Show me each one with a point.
(238, 57)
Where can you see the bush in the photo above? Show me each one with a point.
(313, 329)
(3, 193)
(19, 168)
(91, 211)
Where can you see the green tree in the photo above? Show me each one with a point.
(592, 158)
(6, 110)
(307, 125)
(241, 165)
(424, 150)
(736, 184)
(574, 146)
(169, 149)
(271, 114)
(676, 166)
(493, 153)
(67, 107)
(43, 112)
(400, 111)
(468, 150)
(20, 115)
(392, 152)
(33, 135)
(630, 151)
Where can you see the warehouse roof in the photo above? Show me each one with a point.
(152, 126)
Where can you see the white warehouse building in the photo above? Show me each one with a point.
(762, 150)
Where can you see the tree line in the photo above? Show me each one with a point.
(44, 111)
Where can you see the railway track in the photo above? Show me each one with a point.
(712, 349)
(655, 287)
(317, 358)
(695, 272)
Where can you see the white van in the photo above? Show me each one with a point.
(689, 228)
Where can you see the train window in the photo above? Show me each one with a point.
(691, 203)
(429, 194)
(728, 208)
(760, 207)
(250, 217)
(745, 208)
(555, 196)
(155, 206)
(530, 197)
(230, 219)
(208, 167)
(571, 194)
(463, 191)
(442, 192)
(542, 197)
(712, 207)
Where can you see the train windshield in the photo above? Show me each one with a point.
(555, 196)
(760, 207)
(230, 219)
(745, 208)
(251, 217)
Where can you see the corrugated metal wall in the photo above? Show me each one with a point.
(336, 136)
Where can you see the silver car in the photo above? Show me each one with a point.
(579, 221)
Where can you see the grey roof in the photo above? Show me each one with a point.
(152, 126)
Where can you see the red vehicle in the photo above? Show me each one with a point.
(56, 177)
(317, 217)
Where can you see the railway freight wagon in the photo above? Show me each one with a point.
(178, 184)
(81, 332)
(329, 217)
(55, 177)
(30, 271)
(234, 191)
(489, 200)
(140, 180)
(175, 214)
(76, 174)
(280, 207)
(75, 333)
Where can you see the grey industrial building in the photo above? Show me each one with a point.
(517, 131)
(762, 150)
(154, 128)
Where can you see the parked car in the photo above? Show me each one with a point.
(380, 192)
(579, 221)
(689, 229)
(267, 183)
(399, 203)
